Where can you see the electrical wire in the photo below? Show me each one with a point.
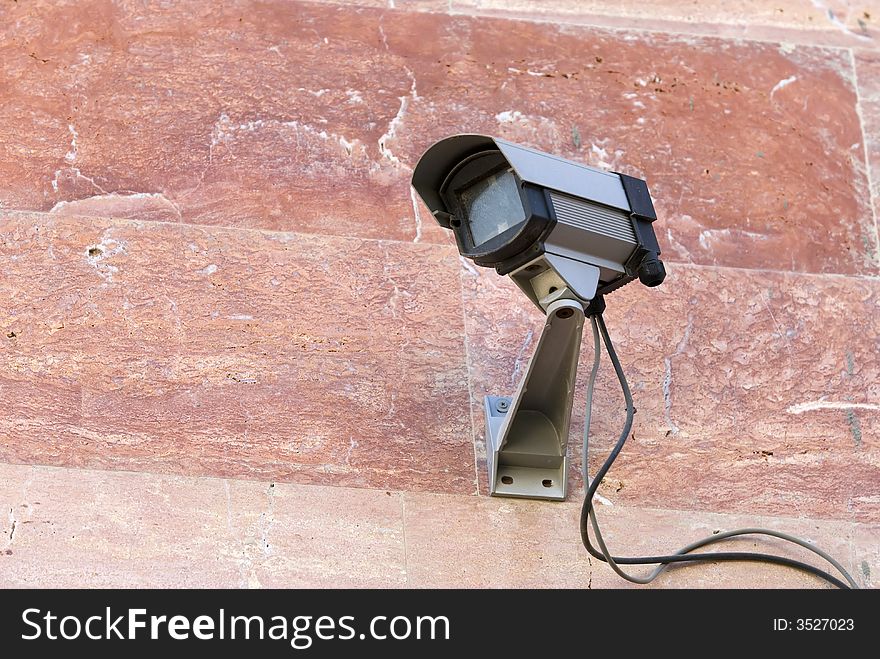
(683, 555)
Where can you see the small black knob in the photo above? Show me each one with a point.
(651, 271)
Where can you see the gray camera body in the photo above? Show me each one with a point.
(569, 213)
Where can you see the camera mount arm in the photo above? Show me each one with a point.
(527, 435)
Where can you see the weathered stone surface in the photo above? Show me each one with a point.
(838, 22)
(80, 528)
(834, 23)
(306, 117)
(152, 346)
(754, 391)
(868, 77)
(324, 537)
(496, 543)
(866, 554)
(251, 114)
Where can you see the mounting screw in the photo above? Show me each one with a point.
(565, 313)
(502, 406)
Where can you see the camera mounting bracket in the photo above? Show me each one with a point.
(527, 435)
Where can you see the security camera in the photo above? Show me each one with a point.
(567, 234)
(509, 206)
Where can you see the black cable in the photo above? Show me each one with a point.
(588, 514)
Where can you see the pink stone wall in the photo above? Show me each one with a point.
(214, 275)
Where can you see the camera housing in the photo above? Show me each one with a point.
(508, 205)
